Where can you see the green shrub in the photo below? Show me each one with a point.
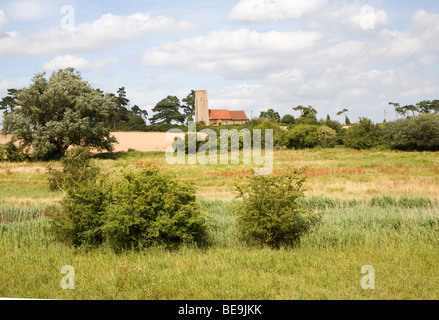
(420, 133)
(10, 152)
(143, 209)
(80, 219)
(327, 137)
(271, 212)
(302, 136)
(77, 168)
(364, 135)
(150, 208)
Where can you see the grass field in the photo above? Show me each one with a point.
(380, 209)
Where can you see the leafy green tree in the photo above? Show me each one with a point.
(9, 103)
(60, 112)
(139, 112)
(364, 135)
(427, 106)
(167, 111)
(302, 136)
(189, 106)
(308, 115)
(120, 109)
(414, 134)
(135, 123)
(344, 111)
(327, 137)
(288, 119)
(270, 115)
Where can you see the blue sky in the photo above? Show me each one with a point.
(249, 54)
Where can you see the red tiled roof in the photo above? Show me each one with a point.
(227, 115)
(238, 115)
(219, 115)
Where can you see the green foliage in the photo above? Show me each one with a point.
(149, 208)
(80, 219)
(189, 105)
(167, 111)
(327, 137)
(134, 123)
(278, 133)
(270, 115)
(10, 152)
(364, 135)
(308, 115)
(77, 170)
(288, 119)
(420, 133)
(302, 136)
(271, 212)
(145, 208)
(58, 113)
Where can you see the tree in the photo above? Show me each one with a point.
(364, 135)
(189, 106)
(167, 111)
(397, 108)
(288, 119)
(308, 115)
(120, 109)
(420, 133)
(9, 103)
(344, 111)
(139, 112)
(302, 136)
(427, 106)
(270, 115)
(58, 113)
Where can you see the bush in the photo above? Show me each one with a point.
(145, 208)
(149, 208)
(302, 136)
(420, 133)
(271, 212)
(77, 169)
(364, 135)
(10, 152)
(327, 137)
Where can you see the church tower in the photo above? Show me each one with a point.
(201, 107)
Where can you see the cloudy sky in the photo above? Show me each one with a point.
(248, 54)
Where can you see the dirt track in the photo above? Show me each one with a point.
(141, 141)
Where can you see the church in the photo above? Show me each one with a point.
(215, 117)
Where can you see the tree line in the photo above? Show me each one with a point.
(53, 114)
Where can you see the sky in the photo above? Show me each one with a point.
(249, 55)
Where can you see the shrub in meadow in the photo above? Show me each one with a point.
(271, 212)
(144, 208)
(151, 208)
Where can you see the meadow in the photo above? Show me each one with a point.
(380, 209)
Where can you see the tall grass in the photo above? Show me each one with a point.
(401, 243)
(10, 214)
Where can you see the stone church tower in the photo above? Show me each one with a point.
(201, 107)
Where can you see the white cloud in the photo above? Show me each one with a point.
(273, 10)
(28, 10)
(72, 61)
(343, 16)
(232, 53)
(3, 20)
(108, 31)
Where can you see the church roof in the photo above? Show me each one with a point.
(227, 115)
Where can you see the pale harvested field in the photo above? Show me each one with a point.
(140, 141)
(144, 141)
